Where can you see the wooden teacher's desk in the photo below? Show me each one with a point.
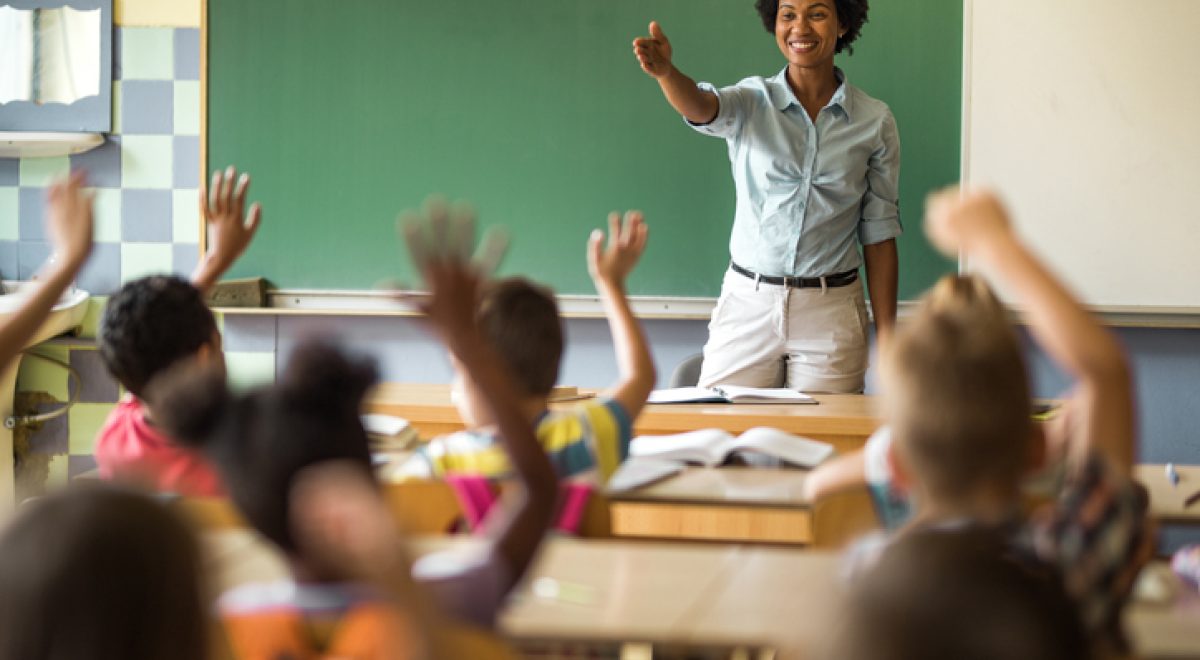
(843, 420)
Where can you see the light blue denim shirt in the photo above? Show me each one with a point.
(806, 192)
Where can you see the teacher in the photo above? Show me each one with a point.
(815, 164)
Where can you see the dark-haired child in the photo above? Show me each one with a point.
(98, 573)
(520, 320)
(261, 442)
(155, 322)
(816, 166)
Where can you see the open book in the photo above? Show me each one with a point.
(637, 472)
(713, 447)
(729, 394)
(388, 433)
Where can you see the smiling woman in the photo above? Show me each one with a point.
(816, 165)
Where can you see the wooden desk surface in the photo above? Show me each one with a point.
(716, 595)
(844, 420)
(731, 486)
(1166, 500)
(619, 591)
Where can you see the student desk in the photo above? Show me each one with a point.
(729, 504)
(843, 420)
(696, 595)
(1166, 500)
(677, 595)
(734, 504)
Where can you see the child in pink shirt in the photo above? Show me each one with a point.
(130, 448)
(155, 322)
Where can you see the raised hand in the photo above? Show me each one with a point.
(340, 520)
(440, 238)
(611, 264)
(230, 227)
(69, 225)
(955, 220)
(654, 52)
(69, 222)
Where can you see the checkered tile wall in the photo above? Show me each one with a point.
(145, 178)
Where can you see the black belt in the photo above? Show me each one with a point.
(835, 280)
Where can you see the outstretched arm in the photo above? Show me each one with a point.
(609, 267)
(439, 242)
(1102, 405)
(69, 224)
(223, 210)
(654, 55)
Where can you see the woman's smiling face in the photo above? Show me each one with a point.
(807, 31)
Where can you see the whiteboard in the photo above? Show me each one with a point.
(1085, 115)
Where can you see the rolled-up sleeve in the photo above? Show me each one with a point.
(730, 111)
(880, 219)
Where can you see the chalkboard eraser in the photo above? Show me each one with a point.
(249, 292)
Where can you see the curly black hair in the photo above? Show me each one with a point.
(852, 15)
(150, 324)
(261, 440)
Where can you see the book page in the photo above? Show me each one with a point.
(385, 425)
(685, 395)
(785, 446)
(738, 394)
(638, 472)
(705, 446)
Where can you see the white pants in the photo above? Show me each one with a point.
(770, 335)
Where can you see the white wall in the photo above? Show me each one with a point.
(1084, 114)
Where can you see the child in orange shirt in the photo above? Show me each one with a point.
(263, 441)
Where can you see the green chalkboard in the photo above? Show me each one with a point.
(348, 111)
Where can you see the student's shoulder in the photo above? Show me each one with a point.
(462, 440)
(588, 412)
(126, 435)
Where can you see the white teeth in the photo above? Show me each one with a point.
(802, 44)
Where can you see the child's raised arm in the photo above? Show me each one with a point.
(609, 266)
(439, 244)
(69, 224)
(223, 210)
(339, 518)
(977, 224)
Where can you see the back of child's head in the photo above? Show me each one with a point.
(98, 573)
(262, 440)
(957, 394)
(949, 595)
(521, 321)
(149, 325)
